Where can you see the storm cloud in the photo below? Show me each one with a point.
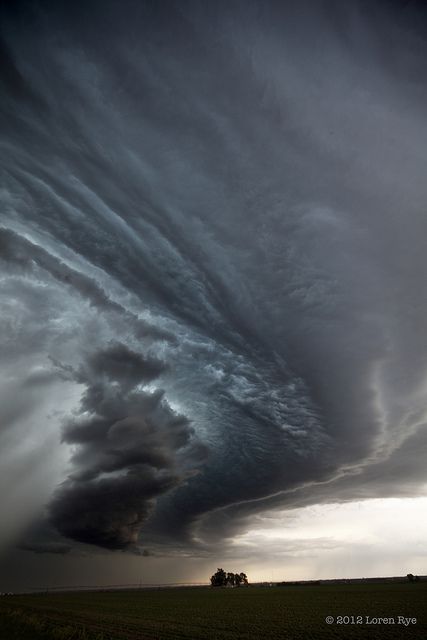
(129, 448)
(213, 255)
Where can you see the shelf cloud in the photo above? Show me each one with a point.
(213, 264)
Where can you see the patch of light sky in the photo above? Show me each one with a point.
(354, 539)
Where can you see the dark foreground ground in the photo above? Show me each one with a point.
(217, 614)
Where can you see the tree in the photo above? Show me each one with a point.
(230, 579)
(412, 578)
(243, 578)
(223, 579)
(219, 578)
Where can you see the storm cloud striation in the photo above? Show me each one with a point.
(213, 259)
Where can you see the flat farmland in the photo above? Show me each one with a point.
(220, 614)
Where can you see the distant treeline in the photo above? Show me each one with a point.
(409, 578)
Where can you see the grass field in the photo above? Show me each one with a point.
(217, 614)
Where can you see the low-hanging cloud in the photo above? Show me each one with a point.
(129, 448)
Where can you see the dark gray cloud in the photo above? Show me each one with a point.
(120, 364)
(212, 239)
(108, 513)
(129, 448)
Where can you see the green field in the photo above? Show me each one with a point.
(217, 614)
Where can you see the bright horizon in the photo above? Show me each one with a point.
(365, 539)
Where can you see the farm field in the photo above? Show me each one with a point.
(289, 612)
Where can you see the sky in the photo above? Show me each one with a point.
(213, 256)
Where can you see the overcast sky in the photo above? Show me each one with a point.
(213, 254)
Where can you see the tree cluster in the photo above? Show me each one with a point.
(223, 579)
